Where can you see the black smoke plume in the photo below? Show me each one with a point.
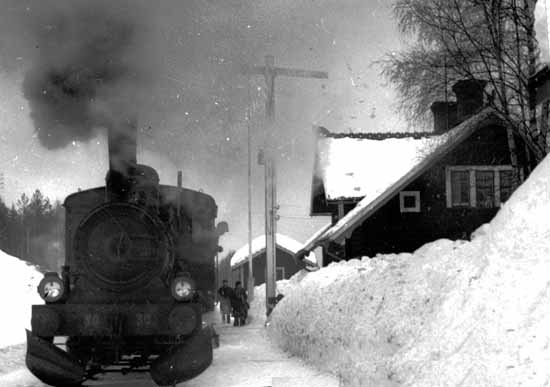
(83, 65)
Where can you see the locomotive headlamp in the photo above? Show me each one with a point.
(51, 288)
(182, 288)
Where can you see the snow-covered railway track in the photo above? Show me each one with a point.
(22, 378)
(245, 358)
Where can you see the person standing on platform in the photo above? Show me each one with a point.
(225, 294)
(239, 304)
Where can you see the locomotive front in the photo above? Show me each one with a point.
(138, 275)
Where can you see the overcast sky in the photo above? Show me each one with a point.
(181, 80)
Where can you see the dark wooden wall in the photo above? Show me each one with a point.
(390, 231)
(259, 266)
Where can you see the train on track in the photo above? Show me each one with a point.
(139, 274)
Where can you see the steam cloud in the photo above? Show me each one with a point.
(173, 67)
(81, 74)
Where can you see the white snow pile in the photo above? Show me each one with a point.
(257, 312)
(17, 294)
(454, 313)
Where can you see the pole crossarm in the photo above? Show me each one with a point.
(297, 73)
(270, 72)
(301, 73)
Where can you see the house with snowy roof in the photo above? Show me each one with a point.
(285, 264)
(394, 192)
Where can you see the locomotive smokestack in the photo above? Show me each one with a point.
(122, 144)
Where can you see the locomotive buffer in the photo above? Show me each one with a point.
(269, 71)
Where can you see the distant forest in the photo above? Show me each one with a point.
(33, 229)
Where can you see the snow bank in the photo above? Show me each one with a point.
(453, 313)
(257, 306)
(17, 294)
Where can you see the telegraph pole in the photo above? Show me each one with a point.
(251, 281)
(269, 71)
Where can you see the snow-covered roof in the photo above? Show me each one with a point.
(383, 191)
(359, 167)
(284, 242)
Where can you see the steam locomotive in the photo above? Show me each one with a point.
(137, 279)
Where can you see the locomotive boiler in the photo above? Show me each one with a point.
(138, 276)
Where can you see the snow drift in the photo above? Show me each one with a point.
(17, 294)
(453, 313)
(257, 312)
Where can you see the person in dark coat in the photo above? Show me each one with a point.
(239, 304)
(225, 294)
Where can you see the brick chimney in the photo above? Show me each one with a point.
(444, 114)
(469, 97)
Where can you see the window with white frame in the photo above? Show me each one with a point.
(478, 186)
(409, 201)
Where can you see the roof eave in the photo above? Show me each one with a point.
(310, 244)
(339, 231)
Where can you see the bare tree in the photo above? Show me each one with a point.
(452, 40)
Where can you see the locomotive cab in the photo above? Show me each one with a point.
(138, 275)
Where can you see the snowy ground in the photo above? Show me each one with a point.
(454, 313)
(17, 294)
(245, 358)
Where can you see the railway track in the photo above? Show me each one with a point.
(245, 358)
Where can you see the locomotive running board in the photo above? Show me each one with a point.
(184, 361)
(51, 364)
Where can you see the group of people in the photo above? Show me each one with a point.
(233, 301)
